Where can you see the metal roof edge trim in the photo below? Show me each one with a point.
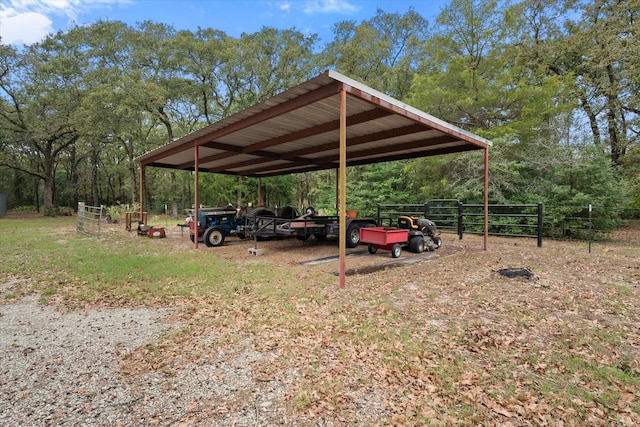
(332, 74)
(386, 98)
(220, 124)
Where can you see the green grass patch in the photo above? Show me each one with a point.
(62, 262)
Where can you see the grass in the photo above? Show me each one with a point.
(84, 269)
(442, 342)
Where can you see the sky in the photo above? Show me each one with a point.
(24, 22)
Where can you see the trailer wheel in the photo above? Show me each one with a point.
(437, 241)
(396, 250)
(213, 237)
(416, 244)
(353, 235)
(372, 248)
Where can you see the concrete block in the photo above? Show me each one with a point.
(256, 251)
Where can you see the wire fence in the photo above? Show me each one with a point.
(586, 223)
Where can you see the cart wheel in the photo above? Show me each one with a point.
(353, 235)
(416, 244)
(213, 237)
(372, 249)
(396, 250)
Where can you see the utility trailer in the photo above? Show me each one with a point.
(305, 226)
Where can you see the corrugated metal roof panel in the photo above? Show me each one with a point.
(298, 130)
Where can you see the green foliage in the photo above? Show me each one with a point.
(557, 96)
(377, 183)
(631, 173)
(426, 178)
(382, 51)
(118, 212)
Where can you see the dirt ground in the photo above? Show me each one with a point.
(438, 338)
(319, 255)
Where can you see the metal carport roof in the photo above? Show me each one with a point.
(327, 122)
(298, 130)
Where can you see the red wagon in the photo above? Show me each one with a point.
(388, 238)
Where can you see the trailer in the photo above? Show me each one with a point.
(305, 226)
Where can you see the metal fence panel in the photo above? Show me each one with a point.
(89, 219)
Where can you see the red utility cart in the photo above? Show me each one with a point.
(388, 238)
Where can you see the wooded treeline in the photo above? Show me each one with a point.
(554, 84)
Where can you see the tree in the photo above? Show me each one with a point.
(382, 52)
(595, 54)
(41, 92)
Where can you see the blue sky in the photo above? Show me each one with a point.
(29, 21)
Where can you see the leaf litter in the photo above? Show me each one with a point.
(446, 341)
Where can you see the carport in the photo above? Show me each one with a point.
(328, 122)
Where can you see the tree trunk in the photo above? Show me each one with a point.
(36, 192)
(134, 181)
(174, 201)
(74, 175)
(94, 179)
(47, 192)
(239, 192)
(47, 195)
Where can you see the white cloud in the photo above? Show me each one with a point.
(345, 7)
(284, 6)
(24, 28)
(29, 21)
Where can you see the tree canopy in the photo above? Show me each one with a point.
(553, 84)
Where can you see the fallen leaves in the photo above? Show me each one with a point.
(445, 342)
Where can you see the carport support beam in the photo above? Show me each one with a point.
(342, 209)
(141, 191)
(196, 151)
(486, 197)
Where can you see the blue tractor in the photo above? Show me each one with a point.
(213, 225)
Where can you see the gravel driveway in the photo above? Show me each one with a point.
(62, 369)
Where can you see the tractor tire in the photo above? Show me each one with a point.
(416, 244)
(372, 249)
(288, 212)
(396, 250)
(213, 237)
(260, 211)
(353, 235)
(437, 242)
(193, 239)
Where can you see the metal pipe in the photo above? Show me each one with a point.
(342, 210)
(486, 198)
(196, 150)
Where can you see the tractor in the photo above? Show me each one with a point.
(213, 225)
(423, 233)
